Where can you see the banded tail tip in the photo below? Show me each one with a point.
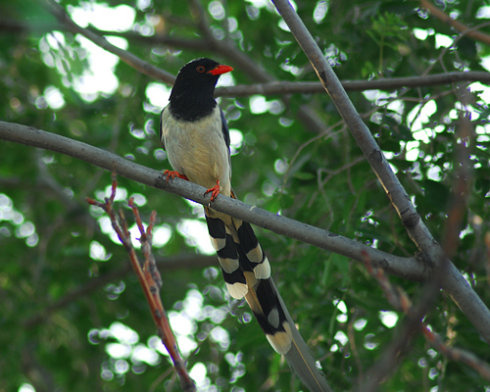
(218, 243)
(237, 290)
(263, 270)
(281, 340)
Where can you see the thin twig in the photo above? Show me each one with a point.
(151, 287)
(476, 35)
(415, 268)
(399, 300)
(130, 59)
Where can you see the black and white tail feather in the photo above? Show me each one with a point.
(195, 135)
(247, 273)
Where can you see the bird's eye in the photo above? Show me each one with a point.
(200, 68)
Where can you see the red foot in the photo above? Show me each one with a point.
(172, 174)
(215, 190)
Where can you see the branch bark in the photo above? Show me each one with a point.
(452, 281)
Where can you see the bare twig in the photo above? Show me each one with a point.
(456, 354)
(149, 278)
(407, 267)
(476, 35)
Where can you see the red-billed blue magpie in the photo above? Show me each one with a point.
(195, 136)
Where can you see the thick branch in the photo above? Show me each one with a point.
(410, 268)
(452, 281)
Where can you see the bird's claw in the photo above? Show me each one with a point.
(215, 190)
(171, 174)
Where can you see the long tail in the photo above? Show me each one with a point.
(247, 273)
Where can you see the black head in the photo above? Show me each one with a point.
(192, 94)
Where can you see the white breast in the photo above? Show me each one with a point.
(198, 149)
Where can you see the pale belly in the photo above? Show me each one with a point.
(198, 150)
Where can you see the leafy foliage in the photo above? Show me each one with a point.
(62, 312)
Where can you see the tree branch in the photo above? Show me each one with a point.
(452, 281)
(470, 32)
(413, 268)
(283, 87)
(410, 268)
(128, 58)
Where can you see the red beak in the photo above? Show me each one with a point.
(220, 69)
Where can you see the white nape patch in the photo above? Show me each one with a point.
(263, 270)
(273, 318)
(218, 243)
(228, 265)
(281, 341)
(255, 255)
(237, 290)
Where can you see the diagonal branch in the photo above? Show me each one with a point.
(475, 34)
(408, 267)
(128, 58)
(452, 280)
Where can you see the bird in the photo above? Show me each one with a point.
(195, 136)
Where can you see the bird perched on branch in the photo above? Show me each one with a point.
(195, 136)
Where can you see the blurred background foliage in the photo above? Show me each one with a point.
(74, 319)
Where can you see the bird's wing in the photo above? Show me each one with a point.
(224, 128)
(162, 140)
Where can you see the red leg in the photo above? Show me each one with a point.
(215, 190)
(172, 174)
